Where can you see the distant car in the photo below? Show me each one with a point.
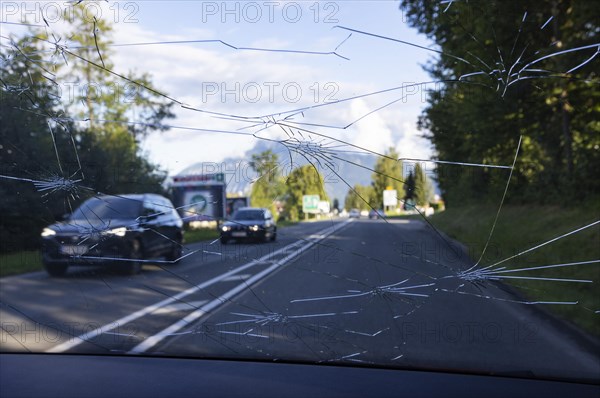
(354, 213)
(376, 213)
(249, 223)
(114, 229)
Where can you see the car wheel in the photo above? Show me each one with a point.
(274, 236)
(56, 269)
(133, 267)
(175, 252)
(224, 241)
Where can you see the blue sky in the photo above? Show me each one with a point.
(215, 78)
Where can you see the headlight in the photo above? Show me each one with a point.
(225, 228)
(254, 228)
(48, 232)
(117, 231)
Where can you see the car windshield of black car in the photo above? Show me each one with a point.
(249, 215)
(107, 208)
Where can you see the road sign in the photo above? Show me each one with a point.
(324, 207)
(310, 203)
(390, 197)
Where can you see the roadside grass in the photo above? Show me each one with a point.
(20, 262)
(286, 223)
(523, 227)
(31, 260)
(200, 234)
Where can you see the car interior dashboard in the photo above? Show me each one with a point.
(71, 375)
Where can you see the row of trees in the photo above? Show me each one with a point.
(415, 189)
(510, 69)
(274, 186)
(510, 72)
(79, 141)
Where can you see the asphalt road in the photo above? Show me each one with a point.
(345, 291)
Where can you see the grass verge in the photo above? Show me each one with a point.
(197, 235)
(523, 227)
(286, 223)
(30, 261)
(20, 262)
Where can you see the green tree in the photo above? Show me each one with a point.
(479, 118)
(269, 185)
(26, 147)
(114, 100)
(410, 186)
(92, 38)
(423, 193)
(304, 180)
(40, 143)
(336, 204)
(388, 173)
(111, 103)
(360, 197)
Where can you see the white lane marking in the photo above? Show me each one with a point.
(151, 341)
(76, 340)
(192, 305)
(236, 278)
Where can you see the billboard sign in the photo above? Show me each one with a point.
(310, 204)
(324, 207)
(199, 197)
(390, 197)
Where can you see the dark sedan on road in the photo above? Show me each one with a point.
(119, 230)
(250, 223)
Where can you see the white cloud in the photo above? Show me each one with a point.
(184, 71)
(372, 132)
(412, 145)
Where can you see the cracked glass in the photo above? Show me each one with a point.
(426, 174)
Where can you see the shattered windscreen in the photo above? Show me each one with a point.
(431, 168)
(107, 208)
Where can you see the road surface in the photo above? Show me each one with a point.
(344, 291)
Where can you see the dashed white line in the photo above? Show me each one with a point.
(151, 341)
(192, 305)
(234, 278)
(77, 340)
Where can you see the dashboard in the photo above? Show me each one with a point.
(52, 375)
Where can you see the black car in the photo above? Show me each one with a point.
(250, 223)
(114, 230)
